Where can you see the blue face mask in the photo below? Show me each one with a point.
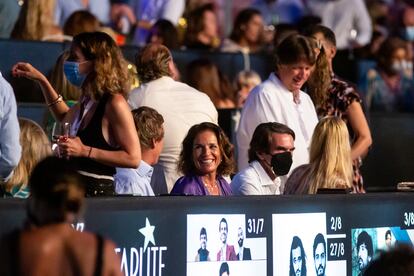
(71, 70)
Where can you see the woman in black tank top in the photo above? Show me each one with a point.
(102, 134)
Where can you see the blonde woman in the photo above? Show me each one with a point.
(35, 22)
(330, 164)
(35, 147)
(102, 134)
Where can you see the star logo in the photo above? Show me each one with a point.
(148, 232)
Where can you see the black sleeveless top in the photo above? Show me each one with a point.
(92, 136)
(13, 241)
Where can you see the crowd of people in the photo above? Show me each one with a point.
(302, 130)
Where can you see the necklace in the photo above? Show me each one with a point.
(212, 189)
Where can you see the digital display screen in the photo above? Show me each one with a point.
(218, 242)
(280, 235)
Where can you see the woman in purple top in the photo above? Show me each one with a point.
(205, 157)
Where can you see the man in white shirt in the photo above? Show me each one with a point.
(279, 99)
(181, 105)
(270, 158)
(349, 19)
(149, 125)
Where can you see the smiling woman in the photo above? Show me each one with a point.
(205, 157)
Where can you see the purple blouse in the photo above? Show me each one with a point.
(193, 185)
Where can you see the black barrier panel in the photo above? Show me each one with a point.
(163, 236)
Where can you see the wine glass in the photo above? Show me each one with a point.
(60, 131)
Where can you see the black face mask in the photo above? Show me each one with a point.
(281, 163)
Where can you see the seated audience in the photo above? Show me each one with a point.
(35, 147)
(390, 86)
(163, 32)
(247, 33)
(148, 123)
(102, 135)
(148, 12)
(395, 262)
(204, 75)
(202, 29)
(50, 245)
(206, 157)
(245, 81)
(9, 131)
(64, 9)
(330, 164)
(35, 22)
(270, 158)
(180, 105)
(79, 22)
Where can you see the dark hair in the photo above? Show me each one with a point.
(395, 262)
(327, 33)
(295, 48)
(186, 162)
(262, 138)
(167, 31)
(364, 238)
(56, 185)
(203, 231)
(79, 22)
(387, 233)
(224, 267)
(318, 239)
(242, 18)
(152, 62)
(148, 123)
(225, 221)
(296, 242)
(205, 75)
(385, 52)
(195, 23)
(283, 30)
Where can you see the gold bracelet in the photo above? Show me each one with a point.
(58, 100)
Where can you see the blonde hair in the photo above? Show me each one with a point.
(320, 80)
(110, 73)
(330, 156)
(35, 147)
(35, 20)
(248, 78)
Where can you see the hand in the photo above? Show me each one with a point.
(72, 147)
(23, 69)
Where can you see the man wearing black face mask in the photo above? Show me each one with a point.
(270, 158)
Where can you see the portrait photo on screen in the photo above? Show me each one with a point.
(214, 239)
(300, 246)
(367, 243)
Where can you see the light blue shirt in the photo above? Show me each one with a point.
(134, 181)
(64, 8)
(10, 149)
